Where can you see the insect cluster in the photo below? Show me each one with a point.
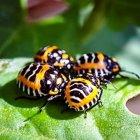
(55, 74)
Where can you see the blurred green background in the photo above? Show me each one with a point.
(108, 26)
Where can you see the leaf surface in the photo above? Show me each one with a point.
(111, 121)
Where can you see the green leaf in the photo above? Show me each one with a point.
(10, 19)
(26, 38)
(64, 30)
(19, 38)
(111, 121)
(125, 11)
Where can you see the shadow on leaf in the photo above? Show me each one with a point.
(54, 108)
(10, 91)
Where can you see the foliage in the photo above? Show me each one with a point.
(85, 27)
(74, 28)
(111, 121)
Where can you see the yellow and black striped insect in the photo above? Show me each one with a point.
(83, 92)
(54, 56)
(101, 65)
(39, 80)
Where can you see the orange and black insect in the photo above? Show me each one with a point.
(54, 56)
(83, 92)
(101, 65)
(41, 80)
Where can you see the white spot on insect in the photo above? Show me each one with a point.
(109, 60)
(23, 88)
(63, 51)
(56, 72)
(28, 91)
(34, 93)
(48, 82)
(88, 106)
(40, 93)
(62, 84)
(96, 73)
(66, 101)
(53, 76)
(59, 81)
(55, 54)
(68, 66)
(78, 62)
(86, 57)
(63, 61)
(60, 52)
(93, 57)
(66, 61)
(55, 89)
(78, 56)
(45, 48)
(89, 71)
(83, 71)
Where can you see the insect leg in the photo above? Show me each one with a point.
(44, 104)
(100, 103)
(85, 114)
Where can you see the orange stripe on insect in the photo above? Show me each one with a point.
(87, 99)
(65, 56)
(100, 56)
(64, 77)
(82, 102)
(115, 69)
(34, 85)
(71, 59)
(53, 92)
(99, 65)
(39, 76)
(81, 80)
(48, 50)
(58, 64)
(67, 92)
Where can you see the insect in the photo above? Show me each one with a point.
(52, 55)
(83, 92)
(41, 80)
(101, 65)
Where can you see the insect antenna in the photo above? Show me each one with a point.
(131, 73)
